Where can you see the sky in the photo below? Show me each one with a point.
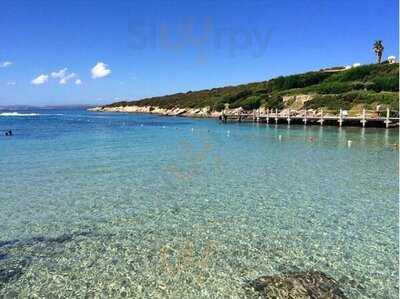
(95, 52)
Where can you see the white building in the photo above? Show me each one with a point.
(391, 59)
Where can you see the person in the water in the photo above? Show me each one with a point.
(9, 133)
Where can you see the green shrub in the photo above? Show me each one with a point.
(297, 81)
(249, 103)
(331, 102)
(219, 105)
(337, 87)
(119, 104)
(353, 74)
(274, 102)
(349, 99)
(386, 83)
(238, 95)
(334, 87)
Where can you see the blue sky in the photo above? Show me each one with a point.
(148, 48)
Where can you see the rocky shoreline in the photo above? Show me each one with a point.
(294, 106)
(204, 112)
(296, 101)
(188, 112)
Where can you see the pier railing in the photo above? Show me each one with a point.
(341, 117)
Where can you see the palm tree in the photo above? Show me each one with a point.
(378, 49)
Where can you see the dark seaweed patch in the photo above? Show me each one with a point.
(41, 239)
(7, 243)
(312, 285)
(12, 269)
(13, 265)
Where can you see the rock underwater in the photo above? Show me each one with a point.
(297, 285)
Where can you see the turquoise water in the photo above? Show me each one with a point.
(123, 205)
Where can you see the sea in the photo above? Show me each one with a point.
(118, 205)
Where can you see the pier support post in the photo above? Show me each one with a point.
(223, 116)
(363, 121)
(267, 119)
(387, 121)
(340, 120)
(276, 116)
(288, 118)
(321, 121)
(305, 116)
(238, 117)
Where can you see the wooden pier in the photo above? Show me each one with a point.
(304, 117)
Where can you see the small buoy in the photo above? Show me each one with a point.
(141, 125)
(280, 137)
(228, 132)
(192, 129)
(163, 127)
(349, 143)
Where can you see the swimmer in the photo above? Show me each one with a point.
(395, 146)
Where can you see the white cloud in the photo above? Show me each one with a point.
(60, 74)
(41, 79)
(65, 79)
(11, 83)
(78, 81)
(63, 75)
(5, 64)
(100, 70)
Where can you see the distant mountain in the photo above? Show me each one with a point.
(28, 107)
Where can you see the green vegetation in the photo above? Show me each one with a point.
(367, 85)
(350, 99)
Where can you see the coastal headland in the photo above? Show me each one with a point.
(367, 91)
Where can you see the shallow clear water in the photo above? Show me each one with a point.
(115, 205)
